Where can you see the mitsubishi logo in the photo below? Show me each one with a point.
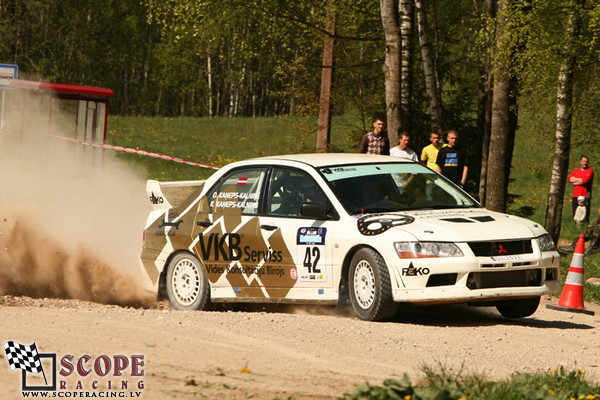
(501, 249)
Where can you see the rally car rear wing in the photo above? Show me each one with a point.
(164, 195)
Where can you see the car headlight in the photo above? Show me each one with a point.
(427, 249)
(546, 243)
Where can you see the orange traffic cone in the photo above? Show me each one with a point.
(571, 298)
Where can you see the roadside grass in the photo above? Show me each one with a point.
(218, 141)
(441, 384)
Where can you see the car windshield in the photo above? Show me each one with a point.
(388, 187)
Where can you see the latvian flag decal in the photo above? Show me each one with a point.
(242, 181)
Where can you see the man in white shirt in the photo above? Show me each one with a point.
(402, 149)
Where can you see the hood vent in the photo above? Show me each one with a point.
(459, 220)
(484, 218)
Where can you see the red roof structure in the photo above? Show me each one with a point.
(92, 105)
(62, 88)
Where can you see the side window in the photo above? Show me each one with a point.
(289, 189)
(238, 192)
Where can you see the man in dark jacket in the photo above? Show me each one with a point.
(452, 160)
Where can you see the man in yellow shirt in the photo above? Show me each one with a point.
(430, 152)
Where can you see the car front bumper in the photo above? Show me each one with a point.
(467, 279)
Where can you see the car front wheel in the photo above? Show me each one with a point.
(187, 284)
(370, 287)
(518, 308)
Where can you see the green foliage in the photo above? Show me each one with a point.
(261, 57)
(394, 389)
(458, 72)
(266, 55)
(532, 165)
(445, 385)
(534, 46)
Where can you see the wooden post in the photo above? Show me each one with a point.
(324, 131)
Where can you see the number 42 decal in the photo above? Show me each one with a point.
(311, 259)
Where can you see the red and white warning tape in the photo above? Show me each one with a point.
(134, 151)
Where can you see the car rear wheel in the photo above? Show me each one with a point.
(518, 308)
(187, 284)
(370, 287)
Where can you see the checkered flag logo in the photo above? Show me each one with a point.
(23, 357)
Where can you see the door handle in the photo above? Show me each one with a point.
(269, 227)
(204, 224)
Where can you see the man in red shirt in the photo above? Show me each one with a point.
(582, 179)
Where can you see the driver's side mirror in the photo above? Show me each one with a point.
(314, 210)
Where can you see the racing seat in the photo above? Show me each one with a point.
(285, 198)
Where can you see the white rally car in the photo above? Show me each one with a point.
(376, 231)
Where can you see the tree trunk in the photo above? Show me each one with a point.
(431, 88)
(238, 91)
(231, 100)
(406, 22)
(324, 129)
(564, 110)
(218, 110)
(209, 78)
(231, 64)
(484, 111)
(293, 84)
(267, 101)
(254, 96)
(436, 51)
(499, 140)
(502, 129)
(391, 67)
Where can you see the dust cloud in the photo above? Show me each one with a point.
(71, 216)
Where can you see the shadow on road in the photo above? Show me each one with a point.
(463, 315)
(455, 315)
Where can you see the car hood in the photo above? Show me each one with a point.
(463, 225)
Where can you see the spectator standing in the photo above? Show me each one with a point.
(430, 152)
(375, 142)
(580, 211)
(592, 233)
(452, 160)
(582, 179)
(402, 149)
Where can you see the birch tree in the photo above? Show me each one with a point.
(431, 88)
(405, 11)
(564, 115)
(391, 66)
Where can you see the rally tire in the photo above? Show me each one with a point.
(370, 287)
(520, 308)
(186, 282)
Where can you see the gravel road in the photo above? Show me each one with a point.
(307, 353)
